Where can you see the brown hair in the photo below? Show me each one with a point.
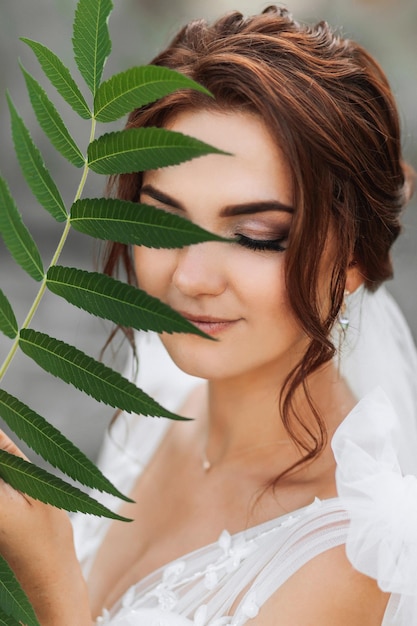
(329, 106)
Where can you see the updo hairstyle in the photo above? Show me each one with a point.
(329, 107)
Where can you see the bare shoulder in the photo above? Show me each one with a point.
(326, 591)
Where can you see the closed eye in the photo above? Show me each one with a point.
(275, 245)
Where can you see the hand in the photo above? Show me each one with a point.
(36, 540)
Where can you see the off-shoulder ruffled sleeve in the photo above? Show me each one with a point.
(381, 502)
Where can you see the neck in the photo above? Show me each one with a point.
(242, 424)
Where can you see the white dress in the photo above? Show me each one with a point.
(227, 582)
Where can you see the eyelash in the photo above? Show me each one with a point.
(274, 245)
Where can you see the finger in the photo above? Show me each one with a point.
(9, 446)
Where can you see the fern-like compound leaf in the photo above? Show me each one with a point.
(16, 608)
(51, 122)
(8, 323)
(116, 301)
(91, 40)
(51, 445)
(6, 620)
(16, 236)
(34, 169)
(60, 77)
(41, 485)
(85, 373)
(139, 224)
(136, 87)
(141, 149)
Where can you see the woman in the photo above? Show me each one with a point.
(238, 515)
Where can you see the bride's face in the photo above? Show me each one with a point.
(233, 291)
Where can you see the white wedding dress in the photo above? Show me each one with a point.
(374, 515)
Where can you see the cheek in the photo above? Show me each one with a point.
(153, 268)
(266, 285)
(262, 279)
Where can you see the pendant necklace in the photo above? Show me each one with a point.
(207, 465)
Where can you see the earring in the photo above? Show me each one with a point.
(343, 318)
(343, 325)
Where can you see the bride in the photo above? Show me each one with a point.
(283, 500)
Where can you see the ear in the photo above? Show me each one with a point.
(354, 277)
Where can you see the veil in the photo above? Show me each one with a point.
(378, 351)
(375, 449)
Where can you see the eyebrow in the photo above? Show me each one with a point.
(228, 211)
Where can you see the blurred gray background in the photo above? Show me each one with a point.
(139, 29)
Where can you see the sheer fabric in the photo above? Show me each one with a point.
(244, 569)
(375, 515)
(381, 503)
(378, 350)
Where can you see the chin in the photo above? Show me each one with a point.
(190, 355)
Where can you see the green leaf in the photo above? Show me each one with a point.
(16, 236)
(13, 599)
(82, 371)
(116, 301)
(136, 87)
(41, 485)
(33, 167)
(91, 39)
(8, 323)
(141, 149)
(60, 77)
(6, 620)
(139, 224)
(51, 122)
(47, 441)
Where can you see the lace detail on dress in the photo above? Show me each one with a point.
(226, 583)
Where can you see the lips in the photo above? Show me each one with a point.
(209, 324)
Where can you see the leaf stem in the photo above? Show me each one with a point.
(7, 361)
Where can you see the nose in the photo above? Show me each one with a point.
(200, 270)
